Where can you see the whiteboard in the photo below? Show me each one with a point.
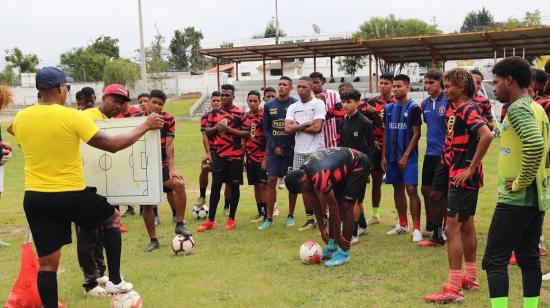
(130, 176)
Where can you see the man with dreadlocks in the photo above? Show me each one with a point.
(466, 142)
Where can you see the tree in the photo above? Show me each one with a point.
(9, 77)
(24, 63)
(184, 48)
(270, 31)
(350, 65)
(84, 63)
(107, 46)
(477, 21)
(122, 71)
(530, 19)
(155, 59)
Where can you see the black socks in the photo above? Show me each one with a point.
(47, 288)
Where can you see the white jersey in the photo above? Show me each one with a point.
(303, 113)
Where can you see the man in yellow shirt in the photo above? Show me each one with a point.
(49, 135)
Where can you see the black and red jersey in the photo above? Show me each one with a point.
(463, 122)
(255, 145)
(228, 145)
(545, 103)
(328, 167)
(337, 112)
(132, 113)
(168, 130)
(377, 116)
(204, 122)
(484, 105)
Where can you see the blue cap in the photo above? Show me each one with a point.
(49, 77)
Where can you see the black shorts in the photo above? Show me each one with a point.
(352, 188)
(431, 162)
(228, 171)
(255, 174)
(50, 214)
(463, 202)
(165, 177)
(440, 180)
(377, 160)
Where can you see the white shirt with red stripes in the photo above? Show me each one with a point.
(329, 128)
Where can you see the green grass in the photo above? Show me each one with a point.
(179, 107)
(248, 268)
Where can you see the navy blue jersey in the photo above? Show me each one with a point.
(434, 117)
(274, 123)
(399, 121)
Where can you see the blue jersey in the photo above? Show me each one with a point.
(434, 117)
(274, 123)
(399, 121)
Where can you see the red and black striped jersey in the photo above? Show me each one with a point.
(228, 145)
(255, 145)
(330, 126)
(545, 103)
(132, 113)
(168, 130)
(336, 112)
(484, 105)
(204, 122)
(377, 116)
(463, 122)
(328, 167)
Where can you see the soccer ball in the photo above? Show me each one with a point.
(311, 252)
(182, 245)
(200, 212)
(126, 300)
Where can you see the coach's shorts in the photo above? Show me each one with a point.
(463, 202)
(298, 161)
(255, 174)
(377, 160)
(50, 214)
(352, 188)
(441, 178)
(430, 164)
(227, 171)
(279, 166)
(409, 176)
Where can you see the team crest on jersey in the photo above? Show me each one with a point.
(253, 130)
(451, 124)
(441, 110)
(223, 122)
(355, 134)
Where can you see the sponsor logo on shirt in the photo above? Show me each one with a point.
(273, 111)
(355, 134)
(505, 151)
(398, 125)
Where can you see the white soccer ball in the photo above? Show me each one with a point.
(182, 245)
(311, 252)
(126, 300)
(200, 212)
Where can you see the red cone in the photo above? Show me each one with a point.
(24, 293)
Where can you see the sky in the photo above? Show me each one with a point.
(49, 28)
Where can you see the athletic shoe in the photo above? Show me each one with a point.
(96, 292)
(468, 284)
(259, 218)
(200, 202)
(445, 296)
(4, 244)
(398, 230)
(275, 210)
(152, 246)
(157, 220)
(354, 240)
(122, 228)
(542, 251)
(310, 224)
(183, 230)
(226, 211)
(265, 225)
(339, 258)
(230, 224)
(513, 259)
(102, 281)
(546, 277)
(290, 221)
(129, 212)
(328, 252)
(362, 231)
(373, 220)
(417, 235)
(281, 183)
(430, 243)
(207, 225)
(122, 287)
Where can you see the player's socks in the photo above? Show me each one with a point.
(430, 226)
(403, 221)
(416, 225)
(355, 228)
(156, 211)
(499, 302)
(470, 271)
(227, 204)
(530, 302)
(376, 212)
(362, 221)
(455, 280)
(261, 208)
(47, 288)
(113, 244)
(173, 212)
(235, 196)
(203, 192)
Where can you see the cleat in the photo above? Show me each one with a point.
(207, 225)
(445, 296)
(398, 230)
(122, 287)
(373, 221)
(183, 230)
(354, 240)
(102, 281)
(275, 210)
(546, 277)
(328, 252)
(417, 236)
(157, 220)
(230, 224)
(431, 243)
(152, 246)
(96, 292)
(200, 202)
(129, 212)
(310, 224)
(468, 284)
(259, 218)
(123, 228)
(339, 258)
(362, 231)
(513, 260)
(290, 221)
(265, 225)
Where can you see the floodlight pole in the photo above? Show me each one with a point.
(142, 52)
(276, 22)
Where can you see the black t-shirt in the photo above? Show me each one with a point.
(356, 133)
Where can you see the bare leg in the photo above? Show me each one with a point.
(271, 195)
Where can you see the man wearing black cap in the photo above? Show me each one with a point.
(55, 192)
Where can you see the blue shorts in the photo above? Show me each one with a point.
(279, 166)
(409, 176)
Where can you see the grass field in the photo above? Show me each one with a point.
(249, 268)
(179, 107)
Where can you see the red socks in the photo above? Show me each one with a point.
(416, 225)
(455, 280)
(403, 221)
(470, 271)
